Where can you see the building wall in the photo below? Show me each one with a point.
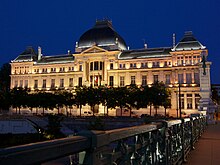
(166, 68)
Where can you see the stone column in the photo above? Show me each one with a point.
(193, 101)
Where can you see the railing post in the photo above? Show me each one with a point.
(167, 143)
(183, 140)
(191, 136)
(97, 138)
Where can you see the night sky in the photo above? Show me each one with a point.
(56, 25)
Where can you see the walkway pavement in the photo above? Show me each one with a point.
(207, 149)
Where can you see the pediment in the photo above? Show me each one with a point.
(94, 49)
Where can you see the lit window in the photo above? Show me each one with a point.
(111, 80)
(70, 82)
(122, 81)
(133, 80)
(180, 78)
(62, 83)
(188, 78)
(155, 79)
(52, 83)
(144, 80)
(167, 79)
(44, 83)
(35, 84)
(111, 65)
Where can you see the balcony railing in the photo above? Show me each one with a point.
(161, 142)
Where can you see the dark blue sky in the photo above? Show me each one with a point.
(56, 25)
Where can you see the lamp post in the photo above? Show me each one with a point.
(180, 102)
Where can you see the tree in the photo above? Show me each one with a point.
(121, 97)
(68, 99)
(19, 98)
(80, 97)
(5, 72)
(133, 99)
(93, 98)
(53, 128)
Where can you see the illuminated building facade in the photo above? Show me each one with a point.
(102, 57)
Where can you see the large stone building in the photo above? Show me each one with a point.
(102, 57)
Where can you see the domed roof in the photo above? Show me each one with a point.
(102, 35)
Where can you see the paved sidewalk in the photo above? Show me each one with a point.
(207, 149)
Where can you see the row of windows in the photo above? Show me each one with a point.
(156, 79)
(188, 78)
(145, 65)
(97, 65)
(188, 60)
(24, 83)
(61, 69)
(189, 101)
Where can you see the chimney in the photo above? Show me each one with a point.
(39, 53)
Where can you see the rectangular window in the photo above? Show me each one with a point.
(197, 98)
(101, 65)
(44, 70)
(91, 66)
(44, 85)
(189, 103)
(144, 65)
(182, 103)
(26, 83)
(188, 78)
(167, 79)
(122, 81)
(71, 68)
(165, 64)
(16, 84)
(35, 84)
(155, 79)
(111, 80)
(52, 85)
(70, 82)
(196, 78)
(134, 65)
(62, 69)
(80, 68)
(111, 65)
(133, 80)
(180, 78)
(61, 82)
(144, 81)
(80, 81)
(96, 80)
(96, 65)
(21, 83)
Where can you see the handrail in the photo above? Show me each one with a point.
(161, 141)
(38, 152)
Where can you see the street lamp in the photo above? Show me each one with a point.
(178, 108)
(180, 102)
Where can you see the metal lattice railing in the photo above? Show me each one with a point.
(158, 143)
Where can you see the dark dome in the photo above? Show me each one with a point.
(102, 35)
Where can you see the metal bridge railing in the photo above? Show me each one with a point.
(161, 142)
